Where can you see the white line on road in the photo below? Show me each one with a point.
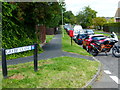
(115, 79)
(107, 72)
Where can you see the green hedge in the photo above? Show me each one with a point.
(110, 27)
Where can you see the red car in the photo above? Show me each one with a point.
(89, 38)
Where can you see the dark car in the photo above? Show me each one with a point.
(91, 38)
(89, 31)
(79, 38)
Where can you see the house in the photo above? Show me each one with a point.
(117, 14)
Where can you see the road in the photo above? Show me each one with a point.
(111, 73)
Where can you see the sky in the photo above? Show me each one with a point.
(104, 8)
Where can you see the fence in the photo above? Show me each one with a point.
(17, 50)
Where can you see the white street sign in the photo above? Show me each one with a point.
(19, 49)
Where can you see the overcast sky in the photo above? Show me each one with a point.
(106, 8)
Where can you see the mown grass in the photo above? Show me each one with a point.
(66, 46)
(60, 72)
(107, 34)
(49, 38)
(0, 78)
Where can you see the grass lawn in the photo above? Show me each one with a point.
(49, 38)
(66, 46)
(105, 34)
(60, 72)
(0, 79)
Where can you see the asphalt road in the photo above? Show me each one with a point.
(111, 71)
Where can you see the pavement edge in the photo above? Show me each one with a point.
(96, 75)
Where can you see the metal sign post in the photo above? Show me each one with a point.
(4, 64)
(35, 58)
(17, 50)
(71, 41)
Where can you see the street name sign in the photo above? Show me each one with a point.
(19, 49)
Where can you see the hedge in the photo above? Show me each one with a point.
(110, 27)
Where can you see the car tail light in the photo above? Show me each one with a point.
(79, 39)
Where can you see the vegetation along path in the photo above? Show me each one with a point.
(51, 50)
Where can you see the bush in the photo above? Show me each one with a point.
(110, 27)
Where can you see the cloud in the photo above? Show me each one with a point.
(103, 7)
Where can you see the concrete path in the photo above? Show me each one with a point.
(51, 50)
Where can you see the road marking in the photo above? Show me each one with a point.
(115, 79)
(107, 72)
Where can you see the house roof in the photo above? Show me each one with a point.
(117, 14)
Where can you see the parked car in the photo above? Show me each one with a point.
(89, 31)
(66, 26)
(79, 38)
(77, 30)
(91, 38)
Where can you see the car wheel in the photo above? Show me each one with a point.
(93, 52)
(84, 47)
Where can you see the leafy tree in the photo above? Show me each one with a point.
(99, 22)
(111, 20)
(69, 17)
(85, 17)
(19, 20)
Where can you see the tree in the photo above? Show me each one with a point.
(19, 20)
(85, 17)
(99, 22)
(111, 20)
(69, 17)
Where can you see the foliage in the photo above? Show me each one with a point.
(112, 27)
(66, 46)
(60, 72)
(19, 20)
(117, 24)
(69, 17)
(85, 17)
(99, 21)
(49, 38)
(111, 20)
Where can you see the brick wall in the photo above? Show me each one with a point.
(41, 33)
(50, 31)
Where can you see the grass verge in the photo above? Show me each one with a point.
(66, 46)
(49, 38)
(60, 72)
(107, 34)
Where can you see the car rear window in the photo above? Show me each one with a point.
(98, 38)
(82, 36)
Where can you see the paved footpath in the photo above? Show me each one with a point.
(51, 50)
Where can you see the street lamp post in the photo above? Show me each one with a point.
(62, 24)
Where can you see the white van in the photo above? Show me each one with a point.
(78, 30)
